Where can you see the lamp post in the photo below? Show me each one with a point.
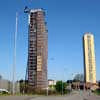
(62, 87)
(14, 58)
(47, 90)
(62, 79)
(14, 55)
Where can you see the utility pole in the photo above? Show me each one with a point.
(14, 57)
(47, 88)
(62, 87)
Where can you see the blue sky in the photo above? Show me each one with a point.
(67, 20)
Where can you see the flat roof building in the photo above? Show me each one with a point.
(89, 58)
(37, 50)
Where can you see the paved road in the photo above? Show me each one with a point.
(76, 96)
(16, 97)
(71, 97)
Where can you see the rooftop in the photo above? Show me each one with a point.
(36, 10)
(88, 33)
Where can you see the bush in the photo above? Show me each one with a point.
(61, 85)
(4, 93)
(52, 92)
(97, 91)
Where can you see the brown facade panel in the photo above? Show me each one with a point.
(37, 50)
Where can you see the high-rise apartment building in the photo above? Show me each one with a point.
(89, 58)
(37, 50)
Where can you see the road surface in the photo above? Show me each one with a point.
(75, 96)
(16, 97)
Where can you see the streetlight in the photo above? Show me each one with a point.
(14, 54)
(47, 90)
(62, 79)
(62, 87)
(14, 59)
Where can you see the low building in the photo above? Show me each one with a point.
(51, 82)
(4, 84)
(7, 85)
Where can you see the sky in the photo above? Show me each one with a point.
(67, 21)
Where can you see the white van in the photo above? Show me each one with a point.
(4, 91)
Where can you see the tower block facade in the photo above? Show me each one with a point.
(89, 58)
(37, 50)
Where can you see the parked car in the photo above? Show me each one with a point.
(4, 91)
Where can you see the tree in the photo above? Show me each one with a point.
(22, 86)
(78, 78)
(99, 83)
(60, 85)
(0, 77)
